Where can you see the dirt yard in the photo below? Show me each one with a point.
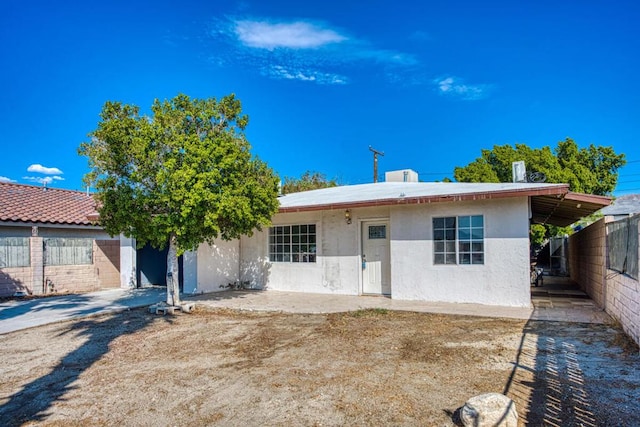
(369, 367)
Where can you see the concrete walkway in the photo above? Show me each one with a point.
(299, 302)
(557, 300)
(18, 315)
(555, 308)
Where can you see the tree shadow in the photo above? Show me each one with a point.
(19, 314)
(30, 404)
(10, 284)
(548, 375)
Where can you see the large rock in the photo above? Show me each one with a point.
(489, 410)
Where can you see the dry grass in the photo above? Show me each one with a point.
(226, 367)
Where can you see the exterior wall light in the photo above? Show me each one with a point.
(347, 216)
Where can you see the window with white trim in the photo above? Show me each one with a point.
(458, 240)
(292, 243)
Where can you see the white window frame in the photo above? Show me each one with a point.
(293, 243)
(456, 244)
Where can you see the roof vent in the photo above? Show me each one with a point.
(519, 171)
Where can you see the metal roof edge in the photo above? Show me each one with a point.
(554, 190)
(588, 198)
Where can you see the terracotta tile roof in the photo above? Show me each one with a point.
(28, 203)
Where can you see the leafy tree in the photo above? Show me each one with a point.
(591, 170)
(182, 176)
(308, 181)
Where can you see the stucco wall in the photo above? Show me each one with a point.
(217, 265)
(503, 279)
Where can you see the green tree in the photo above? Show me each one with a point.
(591, 170)
(308, 181)
(182, 176)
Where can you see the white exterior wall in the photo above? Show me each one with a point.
(128, 262)
(337, 269)
(503, 279)
(217, 266)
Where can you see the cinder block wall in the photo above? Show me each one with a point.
(70, 278)
(617, 293)
(15, 279)
(38, 278)
(623, 302)
(587, 260)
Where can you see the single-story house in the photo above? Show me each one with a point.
(47, 243)
(444, 242)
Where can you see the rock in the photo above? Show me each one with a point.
(489, 410)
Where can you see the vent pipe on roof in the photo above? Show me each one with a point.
(518, 171)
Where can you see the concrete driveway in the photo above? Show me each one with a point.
(17, 315)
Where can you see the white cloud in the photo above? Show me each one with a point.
(454, 86)
(5, 179)
(281, 72)
(43, 180)
(302, 50)
(44, 170)
(294, 35)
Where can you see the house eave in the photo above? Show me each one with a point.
(487, 195)
(49, 225)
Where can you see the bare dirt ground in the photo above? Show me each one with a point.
(369, 367)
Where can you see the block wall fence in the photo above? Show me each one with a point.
(40, 279)
(617, 293)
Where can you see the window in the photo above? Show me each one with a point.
(292, 243)
(458, 240)
(377, 232)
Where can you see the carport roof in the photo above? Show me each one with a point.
(550, 203)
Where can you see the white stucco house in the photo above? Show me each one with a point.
(444, 242)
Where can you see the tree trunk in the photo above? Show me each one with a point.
(173, 273)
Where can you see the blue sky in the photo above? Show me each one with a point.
(428, 83)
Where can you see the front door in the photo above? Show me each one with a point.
(376, 274)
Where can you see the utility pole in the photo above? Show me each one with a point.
(375, 162)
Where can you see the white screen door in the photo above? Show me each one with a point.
(376, 275)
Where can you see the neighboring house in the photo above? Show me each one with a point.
(47, 243)
(622, 207)
(449, 242)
